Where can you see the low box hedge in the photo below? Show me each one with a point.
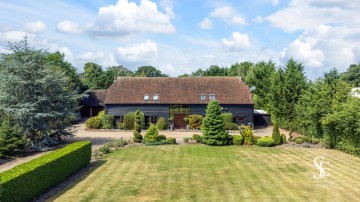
(28, 180)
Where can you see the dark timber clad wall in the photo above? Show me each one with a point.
(162, 110)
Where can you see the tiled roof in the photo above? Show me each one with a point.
(95, 98)
(131, 90)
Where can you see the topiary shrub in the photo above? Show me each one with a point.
(161, 137)
(195, 121)
(171, 140)
(249, 138)
(299, 141)
(129, 119)
(107, 121)
(238, 140)
(142, 120)
(197, 138)
(27, 181)
(137, 127)
(265, 142)
(283, 139)
(214, 132)
(276, 134)
(93, 123)
(13, 141)
(151, 134)
(161, 123)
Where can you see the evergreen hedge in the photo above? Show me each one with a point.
(28, 180)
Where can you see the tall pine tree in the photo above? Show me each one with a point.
(213, 126)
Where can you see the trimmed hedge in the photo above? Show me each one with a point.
(28, 180)
(265, 142)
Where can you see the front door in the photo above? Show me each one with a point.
(179, 121)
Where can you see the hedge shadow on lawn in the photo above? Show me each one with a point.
(72, 181)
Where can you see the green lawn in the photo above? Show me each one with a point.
(204, 173)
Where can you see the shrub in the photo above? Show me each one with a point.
(299, 140)
(107, 121)
(171, 140)
(214, 132)
(197, 138)
(348, 148)
(137, 127)
(94, 122)
(265, 142)
(101, 114)
(162, 142)
(151, 134)
(186, 139)
(195, 121)
(249, 138)
(315, 141)
(161, 137)
(129, 119)
(231, 126)
(13, 141)
(276, 134)
(120, 125)
(283, 139)
(228, 117)
(307, 139)
(142, 119)
(238, 140)
(28, 180)
(119, 142)
(161, 123)
(105, 149)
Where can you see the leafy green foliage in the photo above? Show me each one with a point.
(12, 140)
(238, 140)
(161, 137)
(276, 134)
(228, 119)
(249, 138)
(93, 122)
(34, 95)
(348, 148)
(149, 71)
(299, 141)
(195, 121)
(161, 123)
(137, 128)
(151, 134)
(352, 75)
(213, 126)
(283, 139)
(92, 74)
(129, 120)
(197, 138)
(107, 122)
(265, 142)
(171, 140)
(56, 166)
(105, 149)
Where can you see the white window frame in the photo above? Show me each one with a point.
(146, 97)
(203, 96)
(212, 97)
(156, 96)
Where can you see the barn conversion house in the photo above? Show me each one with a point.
(178, 98)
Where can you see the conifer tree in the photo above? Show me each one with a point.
(12, 140)
(213, 126)
(152, 134)
(276, 134)
(137, 127)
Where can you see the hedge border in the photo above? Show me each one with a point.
(29, 180)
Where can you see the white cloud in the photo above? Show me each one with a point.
(275, 2)
(140, 52)
(35, 27)
(325, 47)
(258, 19)
(206, 24)
(69, 27)
(300, 14)
(90, 56)
(13, 36)
(228, 14)
(126, 18)
(237, 42)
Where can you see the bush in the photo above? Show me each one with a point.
(137, 127)
(238, 140)
(129, 119)
(105, 149)
(265, 142)
(28, 180)
(161, 137)
(13, 141)
(161, 123)
(348, 148)
(276, 134)
(120, 125)
(151, 134)
(249, 138)
(101, 114)
(107, 121)
(299, 140)
(283, 139)
(315, 141)
(171, 140)
(162, 142)
(197, 138)
(186, 139)
(195, 121)
(231, 126)
(94, 122)
(228, 117)
(119, 143)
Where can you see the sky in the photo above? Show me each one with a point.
(181, 36)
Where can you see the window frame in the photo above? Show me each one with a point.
(212, 97)
(202, 96)
(157, 97)
(146, 97)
